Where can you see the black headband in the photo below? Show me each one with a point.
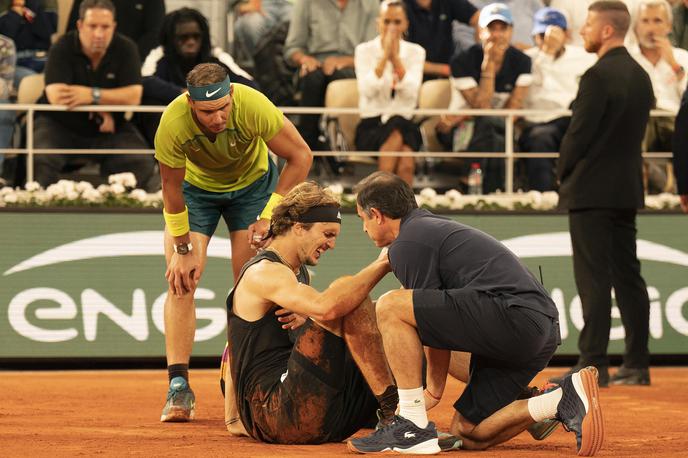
(321, 214)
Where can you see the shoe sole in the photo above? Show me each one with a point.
(429, 447)
(593, 425)
(178, 415)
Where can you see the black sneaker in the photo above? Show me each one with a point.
(579, 410)
(630, 376)
(401, 436)
(602, 378)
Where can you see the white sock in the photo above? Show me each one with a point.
(412, 406)
(544, 406)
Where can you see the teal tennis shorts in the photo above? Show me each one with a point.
(238, 208)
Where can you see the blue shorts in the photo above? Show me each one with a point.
(238, 208)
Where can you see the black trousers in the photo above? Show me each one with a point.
(313, 87)
(542, 138)
(604, 256)
(51, 134)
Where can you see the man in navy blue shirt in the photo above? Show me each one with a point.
(430, 25)
(492, 74)
(465, 291)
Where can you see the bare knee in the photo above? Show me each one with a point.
(387, 308)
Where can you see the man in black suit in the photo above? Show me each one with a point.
(601, 186)
(681, 152)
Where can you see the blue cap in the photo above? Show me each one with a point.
(545, 17)
(495, 12)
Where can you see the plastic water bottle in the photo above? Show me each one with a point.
(475, 179)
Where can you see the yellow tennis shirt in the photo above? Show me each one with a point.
(239, 154)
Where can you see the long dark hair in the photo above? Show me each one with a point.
(167, 38)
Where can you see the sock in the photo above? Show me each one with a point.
(388, 401)
(544, 407)
(412, 406)
(178, 370)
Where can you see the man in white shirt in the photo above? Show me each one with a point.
(666, 66)
(556, 69)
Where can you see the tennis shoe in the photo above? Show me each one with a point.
(401, 436)
(181, 402)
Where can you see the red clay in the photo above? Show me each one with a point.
(107, 413)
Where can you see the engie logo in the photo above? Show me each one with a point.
(22, 307)
(558, 244)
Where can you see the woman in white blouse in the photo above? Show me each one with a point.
(389, 72)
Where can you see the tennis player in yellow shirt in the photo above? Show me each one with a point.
(212, 145)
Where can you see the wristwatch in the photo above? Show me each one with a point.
(183, 248)
(95, 92)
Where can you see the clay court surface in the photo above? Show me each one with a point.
(108, 413)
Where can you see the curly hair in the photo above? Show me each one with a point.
(298, 201)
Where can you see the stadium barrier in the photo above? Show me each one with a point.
(509, 155)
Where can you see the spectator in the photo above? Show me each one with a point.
(430, 25)
(256, 18)
(575, 11)
(321, 41)
(679, 33)
(390, 72)
(31, 24)
(139, 20)
(680, 149)
(492, 74)
(557, 68)
(185, 43)
(599, 170)
(91, 66)
(7, 66)
(666, 66)
(522, 13)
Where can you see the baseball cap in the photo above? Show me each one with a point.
(548, 16)
(495, 12)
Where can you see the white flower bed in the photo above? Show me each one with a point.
(121, 192)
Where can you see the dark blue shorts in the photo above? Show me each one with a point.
(509, 344)
(238, 208)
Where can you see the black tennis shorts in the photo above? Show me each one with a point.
(509, 344)
(322, 398)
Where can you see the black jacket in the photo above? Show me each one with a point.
(600, 163)
(681, 147)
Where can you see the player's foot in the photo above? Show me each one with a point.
(401, 436)
(543, 429)
(448, 442)
(630, 376)
(180, 403)
(383, 420)
(579, 410)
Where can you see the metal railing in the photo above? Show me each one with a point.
(509, 155)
